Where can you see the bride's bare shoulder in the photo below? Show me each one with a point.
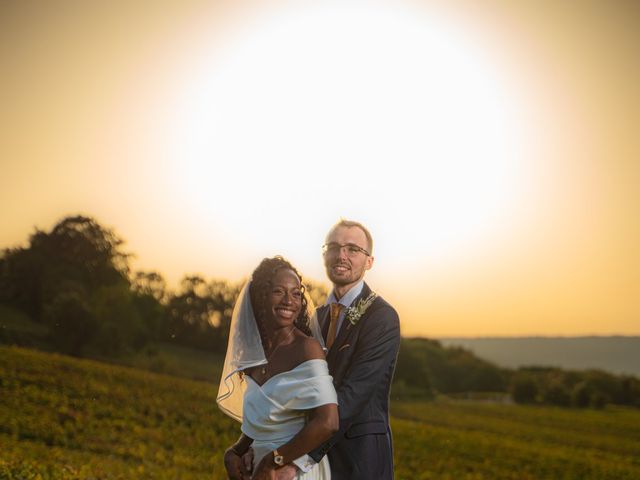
(310, 348)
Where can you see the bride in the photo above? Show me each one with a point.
(275, 378)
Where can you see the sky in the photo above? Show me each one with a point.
(491, 147)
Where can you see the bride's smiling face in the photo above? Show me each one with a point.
(285, 298)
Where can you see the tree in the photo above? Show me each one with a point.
(556, 392)
(150, 296)
(120, 326)
(317, 292)
(199, 316)
(412, 376)
(581, 395)
(71, 324)
(150, 283)
(524, 388)
(77, 251)
(21, 274)
(75, 279)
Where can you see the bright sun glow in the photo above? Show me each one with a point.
(384, 115)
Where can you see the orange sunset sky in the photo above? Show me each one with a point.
(493, 148)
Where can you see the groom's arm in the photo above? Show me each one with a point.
(374, 357)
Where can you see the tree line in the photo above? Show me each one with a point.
(76, 282)
(426, 368)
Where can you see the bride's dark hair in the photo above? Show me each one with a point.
(260, 289)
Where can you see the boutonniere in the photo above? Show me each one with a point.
(356, 311)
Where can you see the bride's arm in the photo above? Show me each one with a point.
(322, 424)
(233, 458)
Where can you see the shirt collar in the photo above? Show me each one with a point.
(348, 298)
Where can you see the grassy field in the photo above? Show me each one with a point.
(67, 418)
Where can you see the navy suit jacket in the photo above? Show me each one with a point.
(362, 361)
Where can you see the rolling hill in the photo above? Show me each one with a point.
(66, 418)
(615, 354)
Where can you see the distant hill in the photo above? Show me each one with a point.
(617, 354)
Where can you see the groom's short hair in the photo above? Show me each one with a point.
(343, 222)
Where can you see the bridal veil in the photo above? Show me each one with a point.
(245, 350)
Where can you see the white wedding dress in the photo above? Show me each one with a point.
(272, 413)
(275, 411)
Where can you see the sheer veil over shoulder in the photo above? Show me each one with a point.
(245, 350)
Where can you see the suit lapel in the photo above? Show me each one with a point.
(346, 326)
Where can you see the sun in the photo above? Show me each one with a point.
(384, 114)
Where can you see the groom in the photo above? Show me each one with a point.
(362, 333)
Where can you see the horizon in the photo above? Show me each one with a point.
(604, 335)
(491, 150)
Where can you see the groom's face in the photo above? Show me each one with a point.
(344, 267)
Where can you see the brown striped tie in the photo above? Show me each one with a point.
(336, 308)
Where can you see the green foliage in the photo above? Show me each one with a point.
(78, 254)
(119, 322)
(75, 280)
(68, 418)
(65, 418)
(489, 441)
(60, 280)
(412, 377)
(524, 388)
(200, 314)
(590, 388)
(163, 357)
(17, 328)
(150, 284)
(429, 366)
(317, 291)
(71, 323)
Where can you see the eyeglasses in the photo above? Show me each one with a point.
(334, 248)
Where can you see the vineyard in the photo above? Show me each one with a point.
(67, 418)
